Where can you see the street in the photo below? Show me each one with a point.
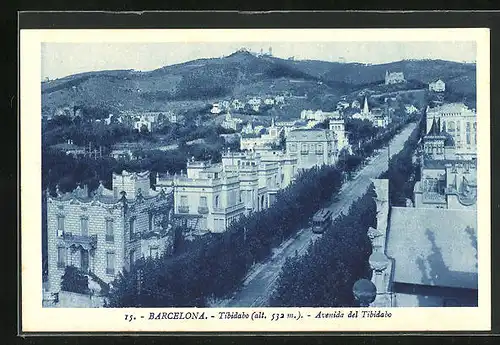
(259, 283)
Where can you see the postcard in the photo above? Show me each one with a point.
(255, 180)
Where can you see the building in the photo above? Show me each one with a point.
(107, 230)
(313, 147)
(459, 122)
(423, 257)
(318, 115)
(216, 109)
(437, 86)
(231, 122)
(236, 104)
(260, 179)
(255, 103)
(264, 140)
(447, 180)
(435, 257)
(394, 78)
(376, 116)
(411, 109)
(337, 126)
(206, 198)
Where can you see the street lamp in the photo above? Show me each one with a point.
(364, 292)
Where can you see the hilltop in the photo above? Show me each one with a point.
(241, 74)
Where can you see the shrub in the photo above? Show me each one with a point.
(74, 280)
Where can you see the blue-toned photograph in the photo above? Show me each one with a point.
(259, 174)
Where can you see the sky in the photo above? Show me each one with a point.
(63, 59)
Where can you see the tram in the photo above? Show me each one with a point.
(321, 220)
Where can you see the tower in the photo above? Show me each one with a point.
(434, 142)
(366, 110)
(337, 126)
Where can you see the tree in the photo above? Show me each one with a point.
(74, 280)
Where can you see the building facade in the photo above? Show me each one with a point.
(447, 180)
(460, 123)
(394, 78)
(107, 230)
(437, 86)
(312, 147)
(206, 198)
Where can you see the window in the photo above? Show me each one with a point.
(203, 201)
(150, 220)
(241, 196)
(184, 200)
(110, 236)
(61, 257)
(216, 202)
(110, 263)
(60, 225)
(153, 252)
(132, 228)
(84, 226)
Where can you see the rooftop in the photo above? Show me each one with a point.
(436, 247)
(310, 135)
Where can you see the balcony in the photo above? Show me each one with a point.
(87, 242)
(319, 152)
(229, 209)
(183, 209)
(202, 209)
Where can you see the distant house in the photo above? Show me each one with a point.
(215, 109)
(394, 78)
(437, 86)
(255, 103)
(70, 149)
(269, 101)
(236, 104)
(279, 99)
(411, 109)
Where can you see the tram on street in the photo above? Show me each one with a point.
(321, 221)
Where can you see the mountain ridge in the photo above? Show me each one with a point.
(237, 75)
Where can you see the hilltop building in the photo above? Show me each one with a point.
(437, 86)
(423, 257)
(394, 78)
(107, 230)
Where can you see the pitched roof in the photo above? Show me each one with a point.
(436, 247)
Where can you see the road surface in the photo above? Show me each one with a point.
(260, 281)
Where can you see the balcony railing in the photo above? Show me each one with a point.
(229, 209)
(202, 209)
(83, 240)
(183, 209)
